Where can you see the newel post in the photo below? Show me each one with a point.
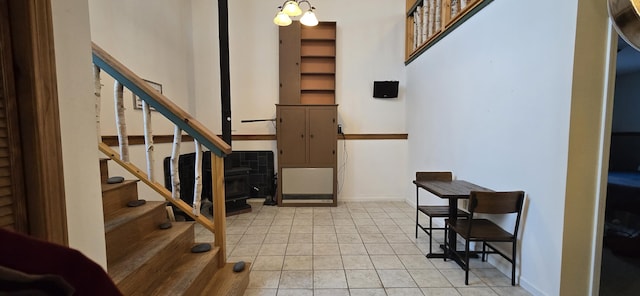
(219, 210)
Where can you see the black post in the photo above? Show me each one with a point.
(225, 85)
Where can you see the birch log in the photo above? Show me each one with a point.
(148, 140)
(175, 156)
(97, 86)
(123, 138)
(197, 192)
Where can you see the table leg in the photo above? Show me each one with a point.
(452, 237)
(417, 205)
(453, 216)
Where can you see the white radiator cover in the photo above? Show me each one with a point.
(307, 180)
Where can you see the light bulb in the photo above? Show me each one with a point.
(282, 19)
(291, 8)
(309, 19)
(636, 6)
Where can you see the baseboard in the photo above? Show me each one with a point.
(530, 288)
(371, 199)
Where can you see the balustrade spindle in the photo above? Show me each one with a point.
(175, 156)
(197, 192)
(97, 86)
(123, 138)
(148, 140)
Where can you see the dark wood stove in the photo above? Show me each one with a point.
(237, 190)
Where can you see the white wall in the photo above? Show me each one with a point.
(152, 38)
(370, 46)
(79, 150)
(176, 44)
(205, 64)
(491, 102)
(515, 101)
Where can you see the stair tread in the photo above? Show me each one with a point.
(147, 247)
(191, 266)
(124, 215)
(228, 282)
(108, 187)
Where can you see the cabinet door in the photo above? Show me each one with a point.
(292, 135)
(290, 64)
(322, 135)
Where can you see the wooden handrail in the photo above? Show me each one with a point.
(158, 101)
(157, 187)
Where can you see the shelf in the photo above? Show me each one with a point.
(318, 65)
(318, 48)
(307, 69)
(317, 82)
(323, 31)
(317, 97)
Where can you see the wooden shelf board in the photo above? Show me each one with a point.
(324, 30)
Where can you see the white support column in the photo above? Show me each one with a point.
(123, 138)
(175, 155)
(148, 140)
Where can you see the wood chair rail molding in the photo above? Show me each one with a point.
(112, 140)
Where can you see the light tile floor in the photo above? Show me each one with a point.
(357, 248)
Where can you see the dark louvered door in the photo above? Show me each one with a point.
(12, 200)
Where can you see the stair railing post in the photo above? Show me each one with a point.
(219, 208)
(123, 138)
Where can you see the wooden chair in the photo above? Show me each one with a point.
(433, 211)
(485, 231)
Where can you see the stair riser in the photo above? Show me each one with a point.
(227, 282)
(203, 279)
(190, 278)
(115, 199)
(157, 268)
(119, 240)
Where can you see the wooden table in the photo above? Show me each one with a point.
(451, 190)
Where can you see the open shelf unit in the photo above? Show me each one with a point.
(308, 64)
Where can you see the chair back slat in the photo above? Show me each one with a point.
(496, 202)
(434, 176)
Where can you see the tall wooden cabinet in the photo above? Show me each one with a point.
(307, 154)
(307, 117)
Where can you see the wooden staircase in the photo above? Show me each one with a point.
(143, 259)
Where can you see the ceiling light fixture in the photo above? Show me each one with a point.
(290, 9)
